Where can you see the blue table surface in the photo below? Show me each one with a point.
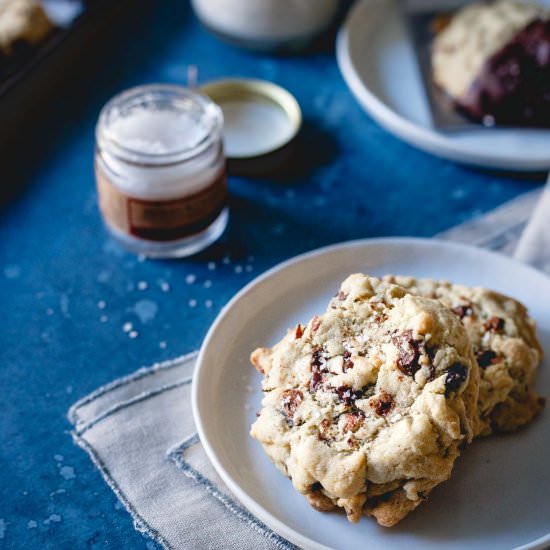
(66, 289)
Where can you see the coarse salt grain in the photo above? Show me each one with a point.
(190, 279)
(101, 304)
(127, 327)
(142, 285)
(211, 266)
(207, 283)
(164, 286)
(133, 334)
(192, 303)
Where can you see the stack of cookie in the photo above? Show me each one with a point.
(368, 406)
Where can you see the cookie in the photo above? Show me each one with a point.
(492, 60)
(366, 407)
(22, 21)
(505, 345)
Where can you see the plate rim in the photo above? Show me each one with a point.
(425, 139)
(258, 510)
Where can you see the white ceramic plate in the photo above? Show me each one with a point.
(377, 61)
(498, 496)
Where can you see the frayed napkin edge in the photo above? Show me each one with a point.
(176, 455)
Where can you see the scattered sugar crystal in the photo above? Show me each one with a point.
(133, 334)
(127, 327)
(226, 260)
(103, 319)
(192, 303)
(64, 304)
(58, 458)
(101, 304)
(69, 390)
(103, 276)
(207, 283)
(142, 285)
(248, 268)
(141, 258)
(190, 279)
(164, 286)
(3, 526)
(238, 269)
(54, 518)
(32, 524)
(208, 303)
(146, 310)
(67, 472)
(49, 311)
(211, 266)
(458, 194)
(12, 271)
(162, 345)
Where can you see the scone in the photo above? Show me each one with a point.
(367, 406)
(493, 60)
(22, 21)
(505, 345)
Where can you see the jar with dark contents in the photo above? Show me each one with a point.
(161, 170)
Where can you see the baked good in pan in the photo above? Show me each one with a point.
(22, 22)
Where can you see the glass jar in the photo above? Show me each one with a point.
(161, 170)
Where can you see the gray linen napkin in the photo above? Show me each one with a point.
(139, 430)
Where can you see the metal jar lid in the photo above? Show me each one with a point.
(261, 121)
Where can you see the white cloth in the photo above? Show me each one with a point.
(139, 430)
(534, 245)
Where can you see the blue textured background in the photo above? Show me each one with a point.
(57, 264)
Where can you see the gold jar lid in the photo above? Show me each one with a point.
(261, 120)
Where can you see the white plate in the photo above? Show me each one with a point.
(377, 61)
(498, 496)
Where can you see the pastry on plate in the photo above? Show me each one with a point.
(493, 60)
(22, 22)
(506, 347)
(367, 406)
